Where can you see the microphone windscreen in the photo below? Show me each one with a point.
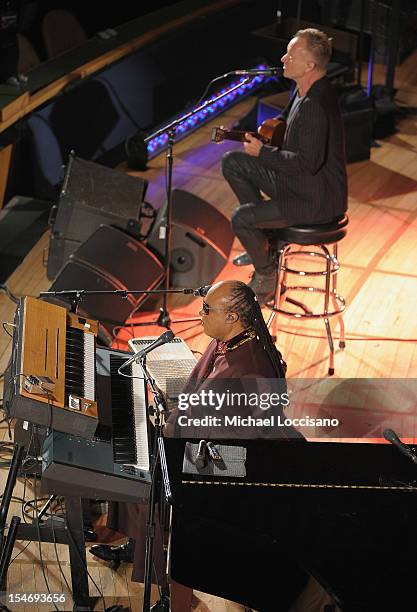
(202, 291)
(168, 335)
(389, 435)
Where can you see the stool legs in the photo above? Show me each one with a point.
(326, 308)
(342, 343)
(280, 282)
(329, 292)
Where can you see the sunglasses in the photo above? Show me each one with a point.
(206, 308)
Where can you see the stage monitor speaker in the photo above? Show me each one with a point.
(92, 195)
(201, 240)
(359, 126)
(110, 260)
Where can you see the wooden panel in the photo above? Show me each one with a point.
(43, 344)
(15, 106)
(44, 349)
(5, 157)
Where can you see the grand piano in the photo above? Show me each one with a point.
(343, 513)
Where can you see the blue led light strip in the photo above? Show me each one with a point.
(235, 93)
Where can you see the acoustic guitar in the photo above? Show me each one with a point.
(270, 132)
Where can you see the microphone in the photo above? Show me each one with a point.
(163, 339)
(276, 71)
(392, 437)
(215, 456)
(202, 291)
(200, 458)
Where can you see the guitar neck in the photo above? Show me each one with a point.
(237, 135)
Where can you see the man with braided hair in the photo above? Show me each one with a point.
(238, 385)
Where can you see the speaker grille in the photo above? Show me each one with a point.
(110, 260)
(201, 240)
(92, 195)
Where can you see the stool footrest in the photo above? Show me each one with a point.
(315, 239)
(308, 314)
(334, 263)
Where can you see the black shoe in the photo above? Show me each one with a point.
(263, 285)
(244, 259)
(89, 535)
(162, 605)
(115, 554)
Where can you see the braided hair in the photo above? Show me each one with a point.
(244, 302)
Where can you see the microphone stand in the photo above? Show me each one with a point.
(76, 296)
(164, 319)
(158, 461)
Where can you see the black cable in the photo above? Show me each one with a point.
(40, 547)
(50, 410)
(19, 553)
(9, 294)
(56, 550)
(28, 456)
(7, 446)
(4, 323)
(5, 420)
(29, 463)
(33, 505)
(23, 501)
(22, 510)
(243, 80)
(14, 498)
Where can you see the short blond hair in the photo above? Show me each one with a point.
(319, 45)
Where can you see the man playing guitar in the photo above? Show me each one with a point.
(305, 177)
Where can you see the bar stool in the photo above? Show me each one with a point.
(312, 236)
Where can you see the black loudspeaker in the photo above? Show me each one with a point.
(110, 260)
(359, 122)
(92, 195)
(359, 127)
(201, 240)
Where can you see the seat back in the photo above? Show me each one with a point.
(28, 58)
(61, 31)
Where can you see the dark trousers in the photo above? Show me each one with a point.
(247, 178)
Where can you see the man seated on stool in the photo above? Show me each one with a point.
(241, 348)
(306, 177)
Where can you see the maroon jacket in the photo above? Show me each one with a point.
(246, 370)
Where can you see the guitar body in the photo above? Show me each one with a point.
(271, 132)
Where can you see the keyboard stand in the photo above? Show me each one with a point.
(68, 531)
